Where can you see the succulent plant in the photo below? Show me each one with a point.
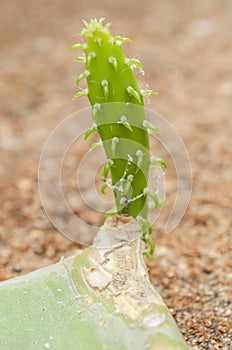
(120, 119)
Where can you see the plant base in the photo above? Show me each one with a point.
(101, 299)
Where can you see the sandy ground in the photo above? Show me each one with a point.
(186, 52)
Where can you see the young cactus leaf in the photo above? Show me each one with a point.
(150, 127)
(132, 92)
(80, 59)
(159, 161)
(134, 63)
(119, 40)
(82, 76)
(123, 120)
(106, 169)
(139, 155)
(127, 184)
(148, 256)
(95, 145)
(96, 108)
(90, 56)
(80, 94)
(153, 196)
(90, 131)
(114, 142)
(113, 60)
(103, 188)
(77, 46)
(105, 88)
(98, 40)
(152, 245)
(148, 92)
(146, 225)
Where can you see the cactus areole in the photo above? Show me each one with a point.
(120, 119)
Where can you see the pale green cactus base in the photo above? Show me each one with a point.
(99, 300)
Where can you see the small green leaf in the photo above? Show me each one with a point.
(150, 127)
(103, 188)
(77, 46)
(119, 40)
(95, 109)
(106, 168)
(132, 92)
(148, 92)
(114, 143)
(146, 224)
(127, 125)
(95, 145)
(85, 22)
(148, 255)
(159, 161)
(139, 161)
(98, 40)
(90, 56)
(113, 60)
(134, 63)
(80, 59)
(151, 244)
(90, 131)
(107, 27)
(155, 198)
(105, 87)
(82, 76)
(123, 120)
(80, 94)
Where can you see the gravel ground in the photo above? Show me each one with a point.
(187, 53)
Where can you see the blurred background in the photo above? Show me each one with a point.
(186, 50)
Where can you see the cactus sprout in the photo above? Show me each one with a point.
(120, 119)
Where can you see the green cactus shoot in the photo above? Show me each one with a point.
(120, 119)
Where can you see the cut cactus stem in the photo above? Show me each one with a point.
(100, 299)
